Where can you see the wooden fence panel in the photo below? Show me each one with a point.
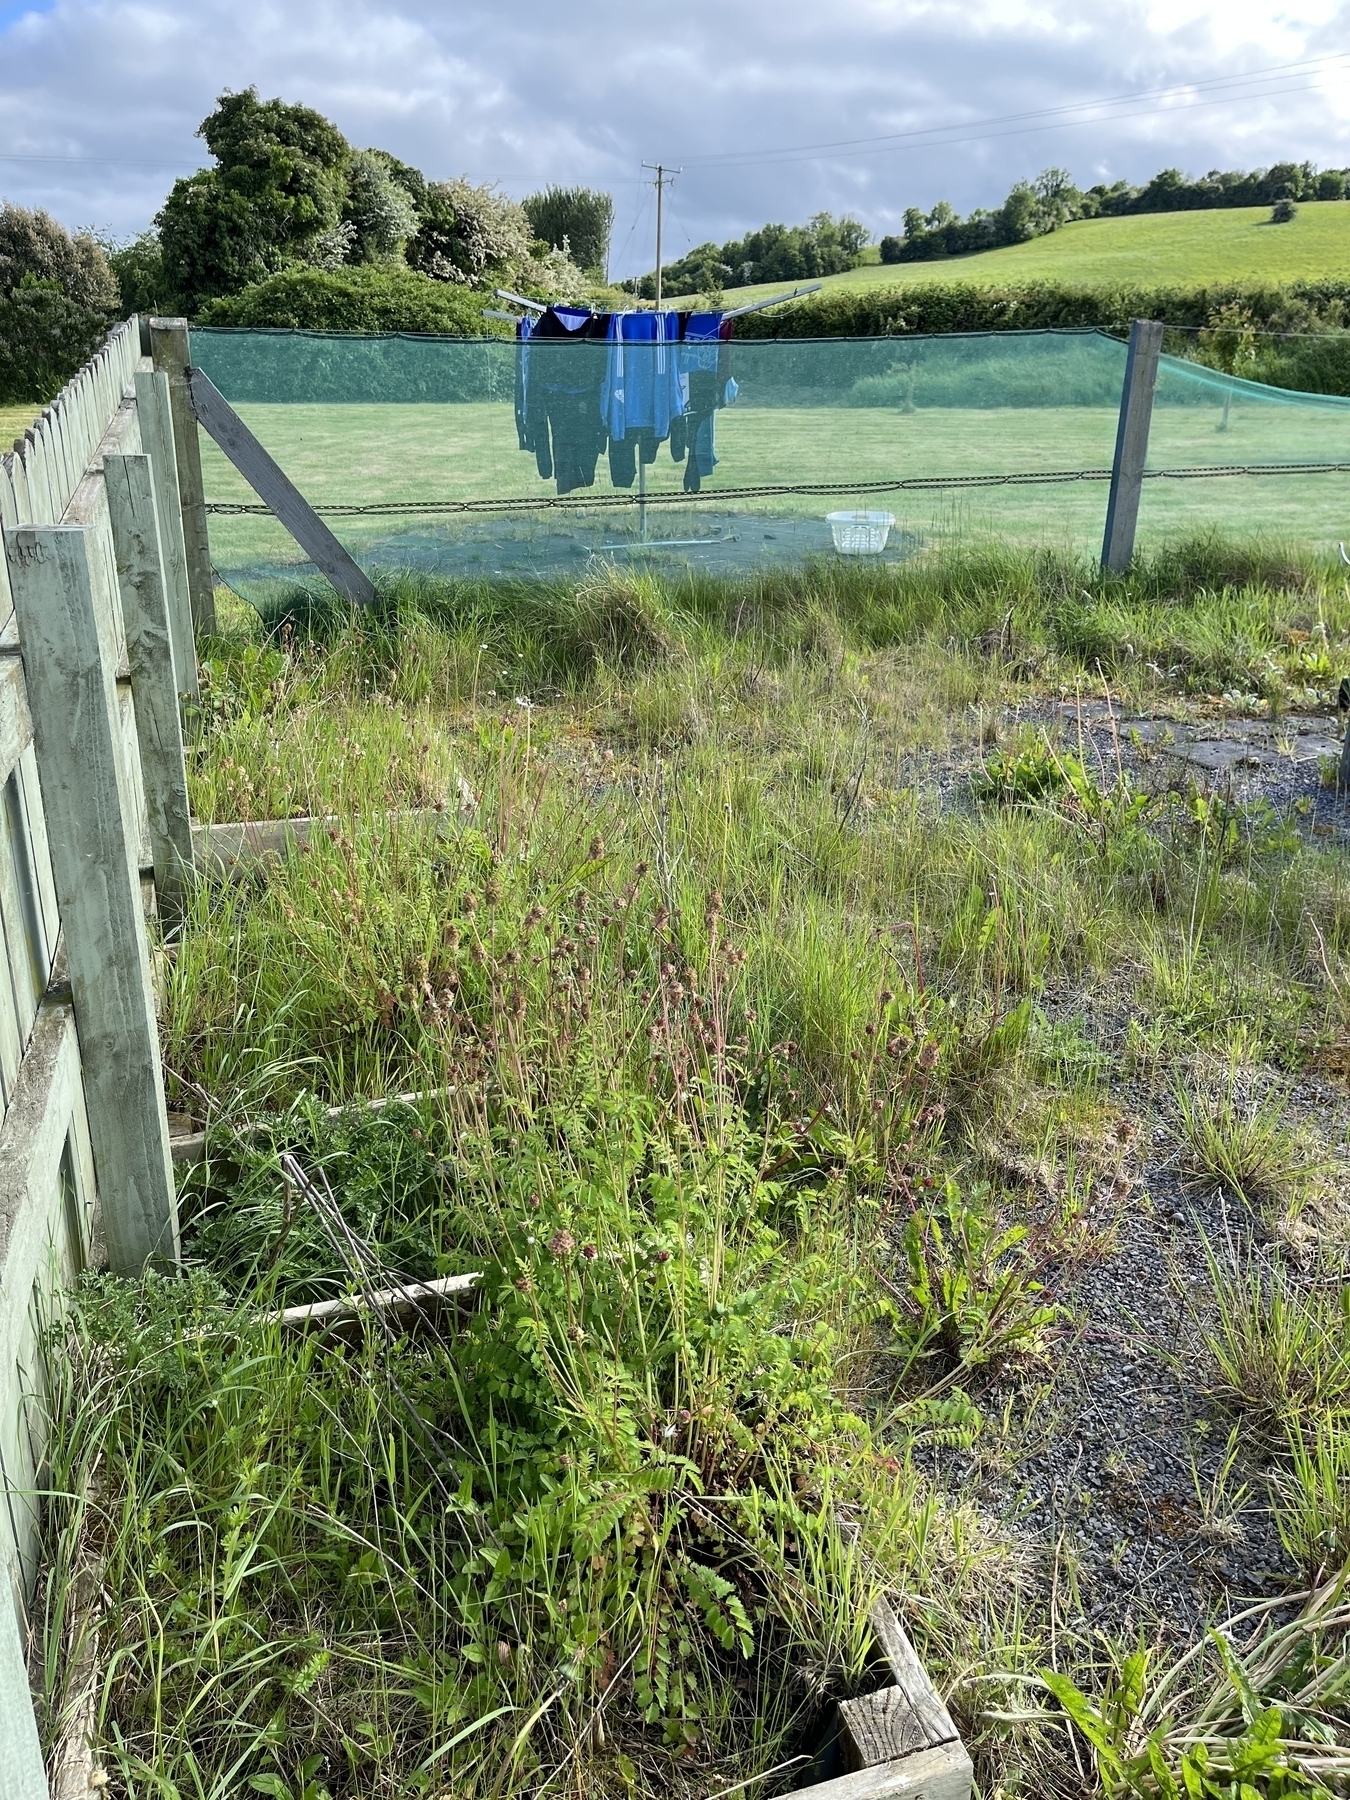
(81, 1095)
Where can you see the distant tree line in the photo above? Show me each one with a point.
(1033, 208)
(824, 246)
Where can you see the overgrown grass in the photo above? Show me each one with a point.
(737, 1078)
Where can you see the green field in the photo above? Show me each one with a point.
(1184, 249)
(14, 421)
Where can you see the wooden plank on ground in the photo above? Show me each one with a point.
(941, 1774)
(910, 1677)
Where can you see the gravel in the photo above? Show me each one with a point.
(1121, 1487)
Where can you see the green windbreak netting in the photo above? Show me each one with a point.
(489, 457)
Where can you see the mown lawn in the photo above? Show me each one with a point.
(843, 1040)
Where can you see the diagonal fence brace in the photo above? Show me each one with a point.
(272, 484)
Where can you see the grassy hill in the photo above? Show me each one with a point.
(1184, 249)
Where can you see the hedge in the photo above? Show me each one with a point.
(363, 298)
(1027, 306)
(1318, 362)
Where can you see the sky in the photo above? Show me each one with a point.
(771, 109)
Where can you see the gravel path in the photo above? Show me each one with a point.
(1115, 1470)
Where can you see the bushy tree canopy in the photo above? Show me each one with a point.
(278, 189)
(381, 212)
(57, 299)
(468, 233)
(32, 243)
(578, 220)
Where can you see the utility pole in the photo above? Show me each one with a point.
(664, 177)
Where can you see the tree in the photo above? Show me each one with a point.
(1017, 215)
(33, 244)
(1057, 198)
(578, 220)
(467, 234)
(380, 212)
(276, 193)
(57, 299)
(1286, 181)
(138, 268)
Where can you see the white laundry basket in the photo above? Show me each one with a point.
(860, 533)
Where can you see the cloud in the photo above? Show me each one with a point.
(111, 91)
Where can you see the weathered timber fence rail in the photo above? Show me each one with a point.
(96, 646)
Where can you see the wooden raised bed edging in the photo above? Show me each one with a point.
(898, 1743)
(399, 1307)
(232, 849)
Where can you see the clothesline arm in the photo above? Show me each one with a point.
(520, 300)
(739, 312)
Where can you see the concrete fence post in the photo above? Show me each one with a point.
(171, 353)
(62, 581)
(1127, 470)
(150, 653)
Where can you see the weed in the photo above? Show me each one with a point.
(1282, 1352)
(707, 999)
(971, 1294)
(1311, 1493)
(1245, 1146)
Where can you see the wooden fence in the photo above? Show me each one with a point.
(96, 647)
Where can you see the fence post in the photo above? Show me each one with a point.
(1127, 470)
(169, 348)
(150, 652)
(21, 1772)
(61, 582)
(155, 410)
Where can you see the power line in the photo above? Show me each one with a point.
(1187, 95)
(973, 129)
(129, 162)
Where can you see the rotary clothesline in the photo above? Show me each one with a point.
(588, 382)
